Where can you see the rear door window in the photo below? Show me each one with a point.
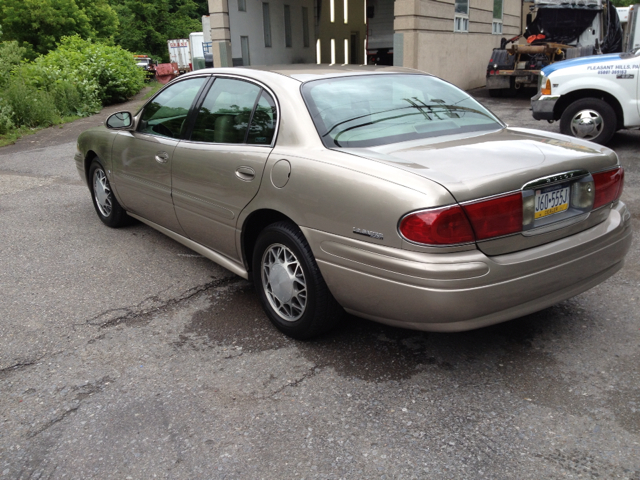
(236, 112)
(226, 112)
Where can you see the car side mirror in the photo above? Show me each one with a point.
(120, 120)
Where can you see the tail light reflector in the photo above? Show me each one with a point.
(495, 217)
(608, 185)
(438, 226)
(456, 224)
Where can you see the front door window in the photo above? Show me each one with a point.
(166, 114)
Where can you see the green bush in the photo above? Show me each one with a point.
(6, 119)
(113, 69)
(76, 79)
(30, 107)
(11, 54)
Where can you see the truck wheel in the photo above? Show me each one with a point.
(589, 119)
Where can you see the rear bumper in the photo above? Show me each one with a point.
(543, 106)
(467, 290)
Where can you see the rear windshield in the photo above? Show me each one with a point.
(370, 110)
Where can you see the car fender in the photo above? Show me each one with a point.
(94, 142)
(342, 194)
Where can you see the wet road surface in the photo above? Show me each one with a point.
(125, 355)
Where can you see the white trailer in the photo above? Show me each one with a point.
(630, 26)
(179, 53)
(196, 40)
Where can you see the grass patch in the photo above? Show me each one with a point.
(15, 134)
(155, 86)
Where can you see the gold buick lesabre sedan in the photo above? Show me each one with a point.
(383, 192)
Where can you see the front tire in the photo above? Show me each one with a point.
(104, 201)
(293, 293)
(589, 119)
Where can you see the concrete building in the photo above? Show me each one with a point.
(341, 31)
(452, 39)
(252, 32)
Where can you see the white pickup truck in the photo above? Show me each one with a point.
(593, 97)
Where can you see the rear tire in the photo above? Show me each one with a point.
(293, 293)
(589, 119)
(104, 201)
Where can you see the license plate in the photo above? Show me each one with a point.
(555, 201)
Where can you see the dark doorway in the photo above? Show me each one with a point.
(355, 48)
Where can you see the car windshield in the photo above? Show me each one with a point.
(371, 110)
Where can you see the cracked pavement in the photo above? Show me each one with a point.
(125, 355)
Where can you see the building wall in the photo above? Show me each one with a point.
(338, 30)
(425, 38)
(250, 24)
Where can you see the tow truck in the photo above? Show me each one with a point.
(556, 30)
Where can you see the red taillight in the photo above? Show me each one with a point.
(608, 186)
(440, 226)
(473, 221)
(495, 217)
(492, 72)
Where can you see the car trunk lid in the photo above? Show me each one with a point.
(496, 163)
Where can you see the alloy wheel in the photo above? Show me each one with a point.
(102, 192)
(284, 282)
(587, 124)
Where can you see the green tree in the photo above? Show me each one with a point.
(39, 24)
(624, 3)
(146, 25)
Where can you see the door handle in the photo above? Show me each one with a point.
(246, 174)
(162, 157)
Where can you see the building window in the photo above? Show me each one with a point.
(346, 51)
(333, 51)
(266, 20)
(318, 52)
(346, 11)
(305, 27)
(242, 5)
(287, 26)
(317, 11)
(461, 17)
(244, 46)
(497, 17)
(332, 10)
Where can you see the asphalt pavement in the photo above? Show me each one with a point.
(125, 355)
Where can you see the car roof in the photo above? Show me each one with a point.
(307, 72)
